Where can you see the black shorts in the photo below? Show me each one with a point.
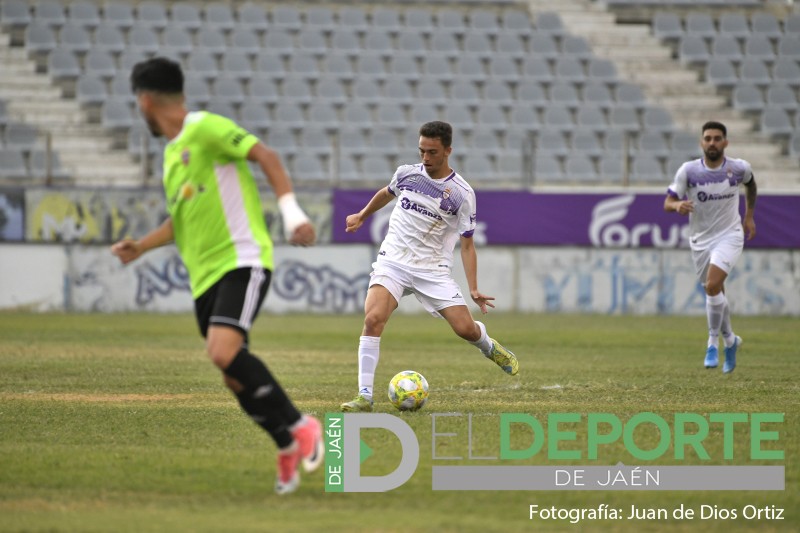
(234, 300)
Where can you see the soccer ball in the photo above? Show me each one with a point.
(408, 390)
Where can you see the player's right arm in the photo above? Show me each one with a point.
(129, 249)
(676, 191)
(378, 202)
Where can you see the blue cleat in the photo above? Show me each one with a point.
(730, 356)
(712, 357)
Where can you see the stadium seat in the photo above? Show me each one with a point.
(721, 73)
(286, 17)
(355, 113)
(580, 167)
(12, 165)
(547, 168)
(760, 47)
(354, 18)
(339, 65)
(387, 20)
(202, 63)
(483, 20)
(577, 47)
(445, 43)
(452, 21)
(755, 71)
(117, 114)
(625, 119)
(766, 24)
(263, 89)
(517, 22)
(178, 38)
(212, 40)
(524, 117)
(391, 115)
(119, 13)
(308, 168)
(510, 46)
(478, 45)
(586, 142)
(196, 89)
(431, 91)
(237, 63)
(186, 16)
(590, 117)
(283, 142)
(315, 140)
(14, 14)
(228, 88)
(20, 136)
(781, 96)
(329, 89)
(776, 122)
(120, 87)
(543, 46)
(700, 25)
(289, 115)
(532, 94)
(564, 94)
(647, 168)
(734, 25)
(652, 143)
(252, 16)
(693, 50)
(376, 168)
(345, 41)
(109, 37)
(39, 38)
(498, 91)
(667, 26)
(491, 115)
(279, 41)
(270, 65)
(550, 23)
(143, 38)
(478, 167)
(152, 14)
(551, 142)
(602, 70)
(98, 62)
(459, 115)
(220, 16)
(612, 167)
(747, 98)
(90, 90)
(63, 65)
(437, 67)
(296, 88)
(789, 47)
(570, 69)
(470, 68)
(403, 67)
(50, 12)
(222, 106)
(84, 13)
(630, 95)
(558, 118)
(686, 144)
(255, 116)
(657, 119)
(786, 70)
(727, 46)
(321, 19)
(312, 41)
(598, 94)
(378, 42)
(398, 91)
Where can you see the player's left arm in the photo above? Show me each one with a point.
(469, 257)
(749, 223)
(298, 226)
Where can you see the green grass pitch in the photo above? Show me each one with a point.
(118, 423)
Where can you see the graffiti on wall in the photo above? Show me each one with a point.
(320, 287)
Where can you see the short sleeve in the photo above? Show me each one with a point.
(748, 173)
(679, 184)
(468, 215)
(230, 139)
(392, 188)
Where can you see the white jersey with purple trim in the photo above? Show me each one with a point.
(427, 219)
(715, 194)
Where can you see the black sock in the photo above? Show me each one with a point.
(263, 399)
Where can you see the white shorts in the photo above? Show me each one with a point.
(434, 290)
(723, 253)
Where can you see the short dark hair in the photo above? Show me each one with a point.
(158, 74)
(438, 130)
(714, 125)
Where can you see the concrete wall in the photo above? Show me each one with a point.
(333, 279)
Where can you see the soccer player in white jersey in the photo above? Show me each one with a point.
(711, 188)
(435, 209)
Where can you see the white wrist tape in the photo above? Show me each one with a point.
(293, 216)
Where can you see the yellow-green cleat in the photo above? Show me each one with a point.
(504, 358)
(359, 405)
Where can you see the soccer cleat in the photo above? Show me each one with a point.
(312, 447)
(730, 356)
(288, 477)
(504, 358)
(712, 357)
(359, 405)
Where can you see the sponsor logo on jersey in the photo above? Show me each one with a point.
(705, 197)
(408, 205)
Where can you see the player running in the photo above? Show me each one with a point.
(711, 184)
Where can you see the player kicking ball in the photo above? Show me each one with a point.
(435, 209)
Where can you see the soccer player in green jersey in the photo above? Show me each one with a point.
(215, 219)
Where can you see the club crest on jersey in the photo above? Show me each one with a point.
(446, 193)
(185, 157)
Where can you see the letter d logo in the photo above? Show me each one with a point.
(352, 479)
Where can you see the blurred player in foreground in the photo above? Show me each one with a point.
(215, 219)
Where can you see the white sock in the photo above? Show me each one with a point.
(715, 306)
(369, 350)
(726, 330)
(484, 344)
